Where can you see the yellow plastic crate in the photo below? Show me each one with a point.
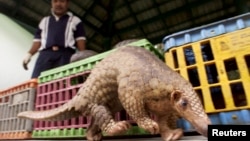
(219, 69)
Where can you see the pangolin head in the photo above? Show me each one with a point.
(188, 105)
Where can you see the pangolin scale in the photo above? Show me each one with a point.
(134, 79)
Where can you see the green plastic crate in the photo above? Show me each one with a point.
(89, 63)
(60, 133)
(80, 133)
(147, 45)
(135, 130)
(72, 68)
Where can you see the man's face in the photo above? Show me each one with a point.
(59, 7)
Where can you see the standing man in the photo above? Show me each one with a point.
(57, 38)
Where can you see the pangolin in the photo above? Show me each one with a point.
(133, 79)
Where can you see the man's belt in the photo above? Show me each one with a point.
(55, 48)
(58, 48)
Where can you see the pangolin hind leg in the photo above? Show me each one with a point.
(104, 118)
(94, 133)
(168, 127)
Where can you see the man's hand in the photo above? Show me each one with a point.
(82, 55)
(26, 60)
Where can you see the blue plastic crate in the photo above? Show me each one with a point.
(206, 31)
(238, 117)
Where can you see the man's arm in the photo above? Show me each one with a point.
(81, 44)
(36, 43)
(79, 35)
(34, 48)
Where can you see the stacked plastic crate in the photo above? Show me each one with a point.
(59, 85)
(215, 58)
(12, 101)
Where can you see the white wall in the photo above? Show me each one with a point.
(14, 44)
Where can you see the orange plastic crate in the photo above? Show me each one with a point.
(16, 135)
(32, 83)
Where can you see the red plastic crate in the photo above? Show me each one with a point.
(55, 93)
(122, 115)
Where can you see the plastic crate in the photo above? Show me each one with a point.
(89, 63)
(55, 93)
(13, 101)
(15, 135)
(218, 68)
(19, 87)
(238, 117)
(60, 133)
(206, 31)
(79, 133)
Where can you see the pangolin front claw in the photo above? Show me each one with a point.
(172, 135)
(118, 128)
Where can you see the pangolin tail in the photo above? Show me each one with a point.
(66, 111)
